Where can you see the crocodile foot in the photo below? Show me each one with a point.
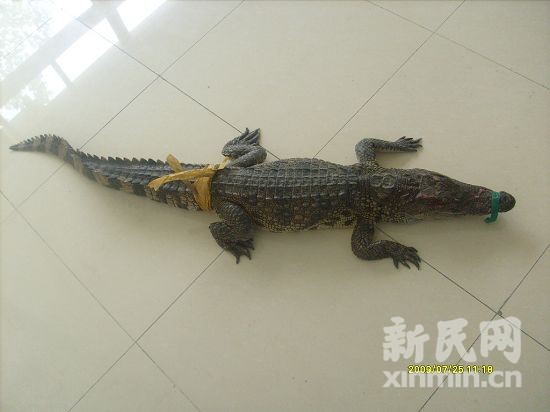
(240, 248)
(407, 144)
(404, 254)
(247, 138)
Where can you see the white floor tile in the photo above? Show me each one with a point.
(530, 302)
(73, 8)
(29, 50)
(72, 85)
(18, 19)
(134, 384)
(156, 32)
(483, 125)
(429, 14)
(513, 33)
(298, 70)
(530, 395)
(55, 338)
(299, 327)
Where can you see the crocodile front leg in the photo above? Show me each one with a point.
(245, 150)
(234, 233)
(366, 149)
(363, 246)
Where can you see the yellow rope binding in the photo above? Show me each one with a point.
(198, 179)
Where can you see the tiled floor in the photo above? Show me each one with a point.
(109, 302)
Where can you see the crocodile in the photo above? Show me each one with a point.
(295, 194)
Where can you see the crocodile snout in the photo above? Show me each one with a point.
(507, 202)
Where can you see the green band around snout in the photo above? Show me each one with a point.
(495, 206)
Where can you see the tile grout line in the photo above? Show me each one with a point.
(179, 296)
(61, 165)
(432, 33)
(207, 109)
(161, 315)
(479, 335)
(456, 363)
(200, 104)
(120, 111)
(492, 61)
(9, 201)
(202, 37)
(460, 44)
(62, 261)
(499, 310)
(174, 62)
(524, 277)
(460, 287)
(447, 277)
(449, 16)
(14, 209)
(524, 332)
(101, 377)
(372, 96)
(135, 342)
(86, 142)
(171, 64)
(499, 314)
(117, 47)
(168, 377)
(27, 37)
(402, 17)
(78, 19)
(161, 74)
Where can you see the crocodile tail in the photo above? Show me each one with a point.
(47, 143)
(131, 176)
(53, 144)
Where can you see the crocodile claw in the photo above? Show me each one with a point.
(405, 256)
(408, 144)
(247, 138)
(240, 248)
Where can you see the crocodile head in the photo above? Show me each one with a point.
(436, 196)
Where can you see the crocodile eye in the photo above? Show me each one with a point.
(375, 180)
(388, 181)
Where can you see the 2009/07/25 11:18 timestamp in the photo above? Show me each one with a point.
(438, 368)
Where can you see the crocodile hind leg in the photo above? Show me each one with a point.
(245, 150)
(366, 149)
(363, 247)
(234, 232)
